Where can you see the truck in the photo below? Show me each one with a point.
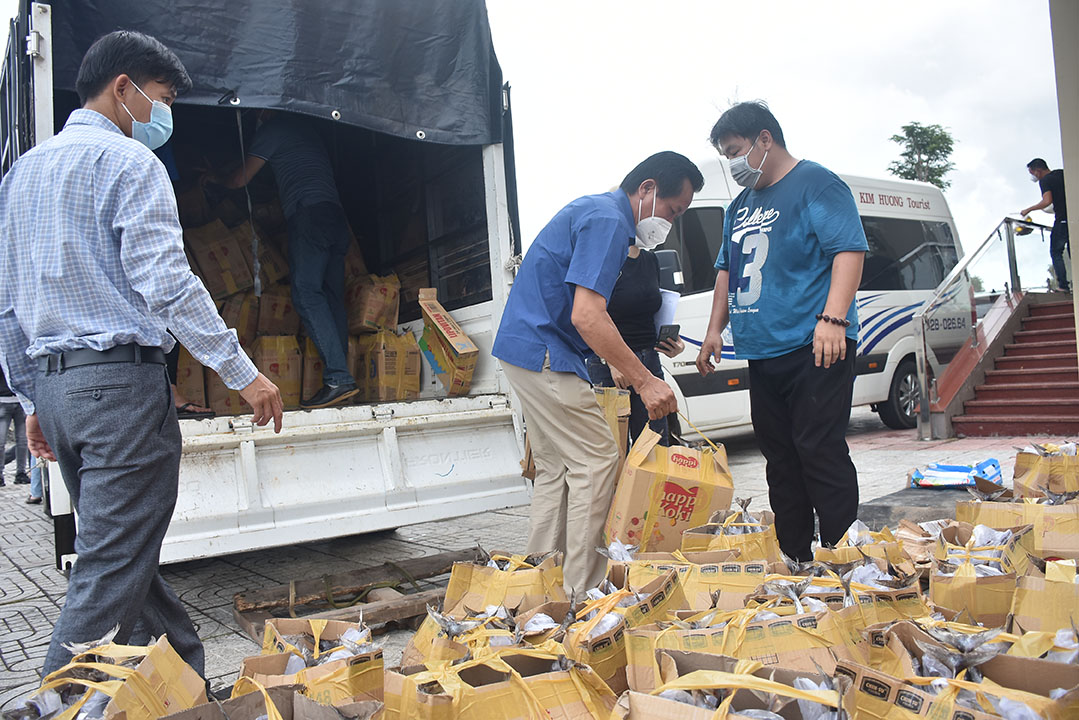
(409, 98)
(913, 245)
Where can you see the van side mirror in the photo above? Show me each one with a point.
(670, 270)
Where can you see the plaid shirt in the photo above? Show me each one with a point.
(92, 256)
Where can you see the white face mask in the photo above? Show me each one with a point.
(742, 172)
(651, 231)
(1034, 178)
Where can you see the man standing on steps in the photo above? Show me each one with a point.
(1051, 183)
(556, 312)
(788, 269)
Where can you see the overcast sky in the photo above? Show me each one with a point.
(600, 85)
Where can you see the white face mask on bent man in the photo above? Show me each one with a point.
(741, 171)
(651, 231)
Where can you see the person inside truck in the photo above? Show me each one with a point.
(83, 339)
(555, 314)
(634, 303)
(318, 240)
(1051, 184)
(788, 268)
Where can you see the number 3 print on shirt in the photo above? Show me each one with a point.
(754, 253)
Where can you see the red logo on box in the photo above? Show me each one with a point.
(678, 502)
(684, 461)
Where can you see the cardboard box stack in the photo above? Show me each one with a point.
(385, 361)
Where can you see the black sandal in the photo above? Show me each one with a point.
(184, 413)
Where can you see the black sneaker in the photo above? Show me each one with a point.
(1, 482)
(328, 396)
(22, 478)
(33, 500)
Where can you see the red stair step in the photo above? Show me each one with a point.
(1038, 375)
(1047, 361)
(1028, 391)
(1009, 407)
(1049, 322)
(1053, 308)
(1028, 349)
(1037, 336)
(988, 425)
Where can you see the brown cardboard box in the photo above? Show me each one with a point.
(241, 313)
(1016, 554)
(1041, 604)
(222, 400)
(269, 215)
(753, 546)
(190, 378)
(287, 700)
(1056, 527)
(277, 316)
(473, 587)
(373, 303)
(272, 263)
(1034, 473)
(664, 491)
(357, 365)
(219, 257)
(278, 357)
(704, 573)
(312, 369)
(359, 676)
(879, 696)
(450, 353)
(391, 369)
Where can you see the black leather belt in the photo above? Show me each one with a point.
(119, 354)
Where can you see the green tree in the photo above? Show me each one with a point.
(925, 155)
(977, 283)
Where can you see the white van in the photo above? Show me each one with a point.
(913, 244)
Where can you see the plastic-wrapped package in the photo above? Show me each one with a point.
(539, 622)
(607, 623)
(859, 534)
(811, 710)
(1069, 641)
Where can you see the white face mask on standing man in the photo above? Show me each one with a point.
(651, 231)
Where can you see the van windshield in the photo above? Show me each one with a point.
(906, 254)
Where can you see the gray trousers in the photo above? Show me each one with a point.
(113, 428)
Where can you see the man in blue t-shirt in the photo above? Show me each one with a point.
(555, 313)
(789, 267)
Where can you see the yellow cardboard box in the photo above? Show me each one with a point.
(224, 269)
(277, 316)
(450, 353)
(278, 357)
(241, 313)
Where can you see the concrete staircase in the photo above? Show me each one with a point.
(1034, 386)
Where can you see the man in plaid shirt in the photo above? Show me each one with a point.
(88, 220)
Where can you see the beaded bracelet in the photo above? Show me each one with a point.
(834, 320)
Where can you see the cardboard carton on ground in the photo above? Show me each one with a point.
(277, 315)
(702, 574)
(450, 353)
(473, 587)
(682, 666)
(762, 545)
(163, 682)
(224, 269)
(953, 541)
(278, 357)
(190, 378)
(1056, 527)
(287, 700)
(1034, 473)
(663, 492)
(879, 696)
(241, 313)
(312, 369)
(1040, 603)
(358, 677)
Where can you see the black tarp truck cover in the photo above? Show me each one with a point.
(419, 69)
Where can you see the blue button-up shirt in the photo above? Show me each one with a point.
(585, 244)
(92, 256)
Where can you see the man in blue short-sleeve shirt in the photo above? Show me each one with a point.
(555, 313)
(789, 267)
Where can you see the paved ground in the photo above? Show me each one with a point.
(32, 590)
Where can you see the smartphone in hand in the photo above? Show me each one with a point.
(668, 332)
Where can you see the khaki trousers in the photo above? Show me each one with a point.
(577, 463)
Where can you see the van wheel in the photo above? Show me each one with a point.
(900, 410)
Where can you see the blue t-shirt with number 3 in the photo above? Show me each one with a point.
(778, 245)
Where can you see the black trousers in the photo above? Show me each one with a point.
(800, 416)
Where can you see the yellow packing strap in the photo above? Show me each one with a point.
(1038, 703)
(109, 688)
(245, 685)
(448, 677)
(602, 606)
(136, 681)
(714, 679)
(714, 447)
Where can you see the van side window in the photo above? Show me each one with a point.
(697, 236)
(906, 254)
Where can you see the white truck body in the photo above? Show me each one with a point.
(336, 471)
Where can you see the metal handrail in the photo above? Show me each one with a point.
(921, 350)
